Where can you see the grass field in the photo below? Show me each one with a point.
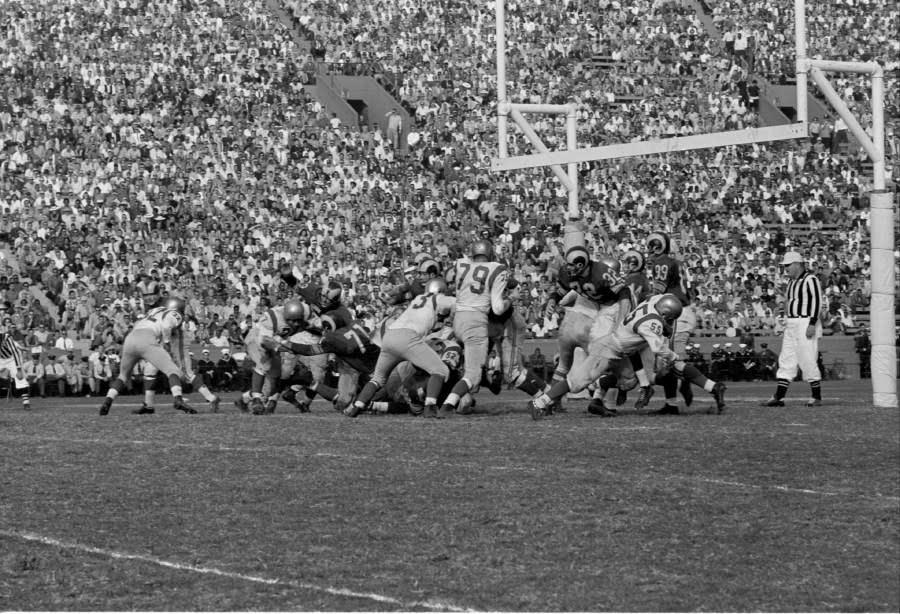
(758, 509)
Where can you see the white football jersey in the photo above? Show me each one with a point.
(161, 321)
(270, 324)
(642, 326)
(480, 285)
(423, 313)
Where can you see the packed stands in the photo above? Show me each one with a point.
(174, 142)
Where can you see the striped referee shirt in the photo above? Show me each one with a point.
(804, 298)
(9, 349)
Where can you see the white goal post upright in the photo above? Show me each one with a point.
(884, 359)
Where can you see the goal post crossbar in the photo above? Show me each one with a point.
(646, 148)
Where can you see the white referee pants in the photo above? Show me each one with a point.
(799, 352)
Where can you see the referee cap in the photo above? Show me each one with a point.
(792, 257)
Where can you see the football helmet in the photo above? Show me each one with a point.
(332, 321)
(427, 269)
(436, 286)
(577, 260)
(296, 310)
(482, 248)
(330, 297)
(658, 243)
(612, 263)
(175, 304)
(634, 261)
(669, 307)
(421, 257)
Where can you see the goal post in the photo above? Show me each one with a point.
(564, 165)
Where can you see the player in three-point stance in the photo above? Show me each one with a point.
(145, 342)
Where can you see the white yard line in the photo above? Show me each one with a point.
(443, 463)
(215, 571)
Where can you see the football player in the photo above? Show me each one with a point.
(480, 289)
(666, 276)
(275, 325)
(506, 331)
(404, 339)
(177, 346)
(348, 341)
(145, 342)
(639, 287)
(642, 330)
(596, 299)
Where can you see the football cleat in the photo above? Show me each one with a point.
(270, 406)
(719, 394)
(242, 405)
(495, 383)
(214, 404)
(144, 409)
(621, 397)
(773, 402)
(645, 393)
(667, 410)
(687, 393)
(445, 411)
(536, 412)
(257, 406)
(465, 410)
(814, 403)
(181, 405)
(352, 410)
(598, 408)
(105, 407)
(430, 411)
(302, 406)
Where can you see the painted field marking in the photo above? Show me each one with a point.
(214, 571)
(448, 464)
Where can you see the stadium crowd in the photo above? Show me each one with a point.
(156, 145)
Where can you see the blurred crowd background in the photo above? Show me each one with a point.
(149, 146)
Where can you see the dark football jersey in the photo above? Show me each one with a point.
(599, 283)
(352, 346)
(639, 286)
(664, 273)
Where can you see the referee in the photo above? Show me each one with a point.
(800, 347)
(11, 363)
